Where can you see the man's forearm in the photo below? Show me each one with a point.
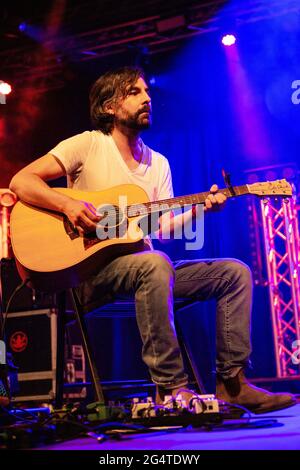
(32, 189)
(179, 221)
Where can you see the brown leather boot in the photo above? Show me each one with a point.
(186, 394)
(239, 391)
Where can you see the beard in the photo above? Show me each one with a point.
(136, 121)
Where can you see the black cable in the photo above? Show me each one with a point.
(237, 407)
(15, 417)
(5, 314)
(15, 411)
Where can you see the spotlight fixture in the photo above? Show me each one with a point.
(22, 27)
(5, 88)
(228, 40)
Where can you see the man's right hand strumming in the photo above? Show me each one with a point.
(82, 215)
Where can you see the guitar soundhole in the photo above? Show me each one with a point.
(113, 222)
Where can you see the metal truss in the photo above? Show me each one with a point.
(275, 253)
(282, 244)
(7, 200)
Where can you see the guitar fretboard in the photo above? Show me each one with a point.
(181, 201)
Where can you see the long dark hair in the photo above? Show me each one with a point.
(110, 87)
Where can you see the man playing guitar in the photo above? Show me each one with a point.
(114, 154)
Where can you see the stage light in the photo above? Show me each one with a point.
(228, 40)
(5, 88)
(22, 27)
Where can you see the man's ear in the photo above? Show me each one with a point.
(109, 108)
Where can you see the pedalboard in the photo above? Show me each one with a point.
(202, 409)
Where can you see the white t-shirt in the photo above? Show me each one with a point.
(93, 163)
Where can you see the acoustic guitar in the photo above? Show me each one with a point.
(51, 253)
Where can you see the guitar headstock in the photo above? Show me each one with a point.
(271, 188)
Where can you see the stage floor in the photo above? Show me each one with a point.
(279, 430)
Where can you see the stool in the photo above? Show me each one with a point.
(79, 311)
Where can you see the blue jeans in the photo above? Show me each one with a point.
(153, 280)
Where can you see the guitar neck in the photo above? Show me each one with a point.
(181, 201)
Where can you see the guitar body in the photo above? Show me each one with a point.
(50, 252)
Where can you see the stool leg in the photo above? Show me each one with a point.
(60, 349)
(99, 396)
(187, 349)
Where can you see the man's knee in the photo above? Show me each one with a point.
(239, 271)
(156, 262)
